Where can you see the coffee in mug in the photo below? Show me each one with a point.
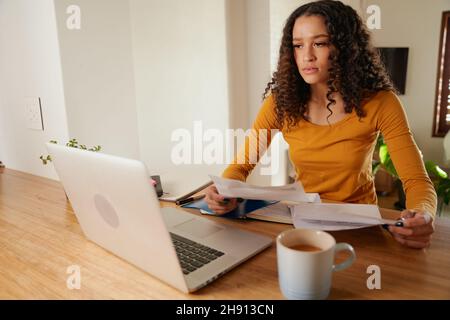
(306, 263)
(305, 247)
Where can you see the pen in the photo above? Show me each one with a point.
(190, 199)
(398, 223)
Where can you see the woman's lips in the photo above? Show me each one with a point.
(310, 70)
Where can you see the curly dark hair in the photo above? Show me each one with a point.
(354, 59)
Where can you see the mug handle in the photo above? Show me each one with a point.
(347, 263)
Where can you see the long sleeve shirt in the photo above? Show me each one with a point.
(336, 160)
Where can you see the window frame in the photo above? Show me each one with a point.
(440, 125)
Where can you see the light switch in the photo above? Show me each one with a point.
(33, 113)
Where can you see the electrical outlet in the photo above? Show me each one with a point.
(33, 113)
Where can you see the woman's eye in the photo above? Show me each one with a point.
(298, 46)
(321, 44)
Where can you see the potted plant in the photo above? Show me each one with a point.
(438, 176)
(441, 184)
(72, 143)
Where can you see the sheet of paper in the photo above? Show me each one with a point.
(238, 189)
(333, 216)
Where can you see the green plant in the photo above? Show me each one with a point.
(438, 176)
(73, 143)
(441, 184)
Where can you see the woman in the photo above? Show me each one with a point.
(331, 97)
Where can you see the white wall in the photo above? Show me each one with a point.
(178, 51)
(238, 61)
(29, 66)
(258, 67)
(181, 76)
(138, 70)
(416, 24)
(97, 66)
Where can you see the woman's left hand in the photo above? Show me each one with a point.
(416, 231)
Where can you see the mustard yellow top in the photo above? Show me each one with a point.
(336, 160)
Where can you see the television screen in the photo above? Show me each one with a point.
(396, 62)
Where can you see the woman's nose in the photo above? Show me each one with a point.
(308, 55)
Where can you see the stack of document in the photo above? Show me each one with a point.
(302, 209)
(322, 216)
(336, 216)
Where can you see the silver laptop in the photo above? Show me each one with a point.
(118, 209)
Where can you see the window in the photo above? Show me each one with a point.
(442, 103)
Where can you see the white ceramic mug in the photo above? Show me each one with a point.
(306, 275)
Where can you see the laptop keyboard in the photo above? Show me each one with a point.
(193, 255)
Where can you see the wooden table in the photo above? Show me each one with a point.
(40, 238)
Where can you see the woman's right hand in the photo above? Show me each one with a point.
(218, 203)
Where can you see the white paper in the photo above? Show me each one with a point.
(238, 189)
(333, 216)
